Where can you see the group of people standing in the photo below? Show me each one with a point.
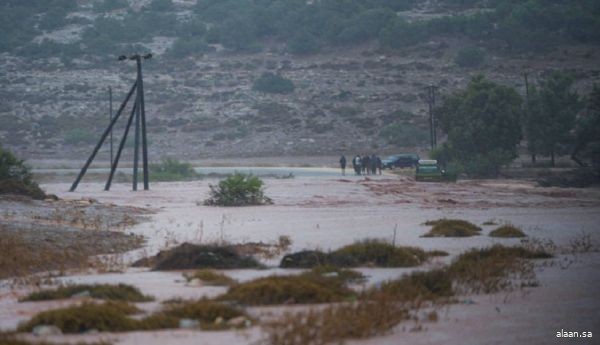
(365, 165)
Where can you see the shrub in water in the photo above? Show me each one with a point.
(172, 170)
(121, 292)
(507, 231)
(304, 288)
(368, 252)
(193, 256)
(15, 177)
(452, 228)
(210, 277)
(109, 316)
(238, 190)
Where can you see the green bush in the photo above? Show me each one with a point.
(404, 135)
(238, 190)
(79, 136)
(171, 169)
(15, 177)
(273, 83)
(470, 57)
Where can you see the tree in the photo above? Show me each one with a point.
(587, 130)
(551, 117)
(273, 83)
(483, 126)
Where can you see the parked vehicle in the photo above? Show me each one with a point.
(405, 160)
(429, 170)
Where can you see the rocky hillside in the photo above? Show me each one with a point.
(357, 98)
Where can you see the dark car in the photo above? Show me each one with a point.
(406, 160)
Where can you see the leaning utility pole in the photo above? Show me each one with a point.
(137, 112)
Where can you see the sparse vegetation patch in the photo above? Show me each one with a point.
(507, 231)
(368, 252)
(452, 228)
(193, 256)
(116, 317)
(120, 292)
(238, 190)
(494, 269)
(210, 277)
(288, 290)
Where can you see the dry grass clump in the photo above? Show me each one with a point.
(493, 269)
(452, 228)
(368, 252)
(419, 286)
(210, 277)
(210, 314)
(11, 339)
(121, 292)
(19, 257)
(507, 231)
(362, 319)
(310, 287)
(344, 276)
(194, 256)
(109, 316)
(115, 317)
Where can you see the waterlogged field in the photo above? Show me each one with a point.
(494, 296)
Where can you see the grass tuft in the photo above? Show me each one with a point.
(333, 324)
(322, 285)
(507, 231)
(210, 277)
(368, 252)
(121, 292)
(193, 256)
(419, 286)
(115, 317)
(110, 316)
(452, 228)
(493, 269)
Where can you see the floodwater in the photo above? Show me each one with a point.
(327, 211)
(277, 172)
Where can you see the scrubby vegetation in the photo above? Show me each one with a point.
(333, 324)
(19, 257)
(292, 289)
(120, 292)
(238, 190)
(273, 83)
(528, 26)
(419, 286)
(210, 277)
(110, 316)
(493, 269)
(381, 308)
(171, 169)
(15, 177)
(116, 317)
(470, 57)
(452, 228)
(194, 256)
(364, 253)
(507, 231)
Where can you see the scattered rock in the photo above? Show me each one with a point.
(189, 324)
(45, 330)
(82, 294)
(238, 322)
